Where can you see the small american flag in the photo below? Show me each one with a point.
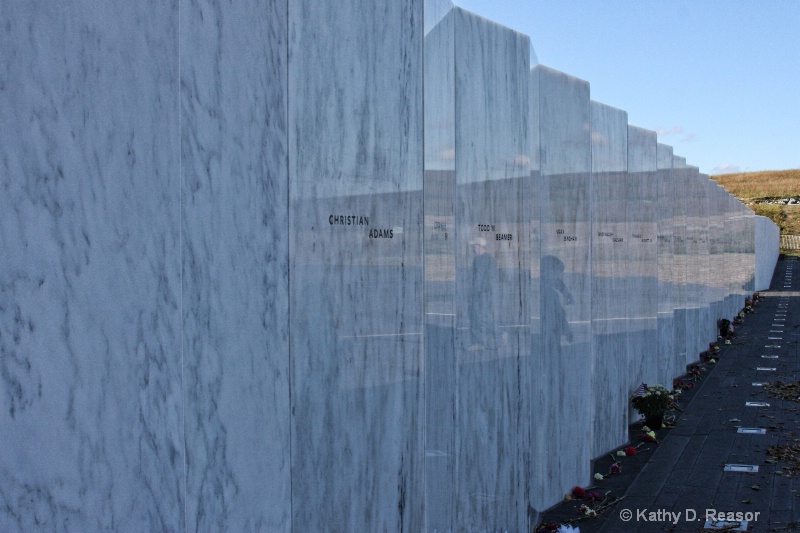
(641, 390)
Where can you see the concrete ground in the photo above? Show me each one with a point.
(670, 486)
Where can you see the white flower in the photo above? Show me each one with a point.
(568, 529)
(598, 476)
(621, 453)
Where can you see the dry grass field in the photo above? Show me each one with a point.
(756, 189)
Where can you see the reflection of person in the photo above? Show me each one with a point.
(554, 317)
(481, 298)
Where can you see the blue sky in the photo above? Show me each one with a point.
(719, 80)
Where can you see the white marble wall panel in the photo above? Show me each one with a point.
(725, 216)
(708, 316)
(642, 212)
(216, 312)
(716, 244)
(610, 299)
(734, 302)
(355, 225)
(564, 362)
(235, 265)
(748, 248)
(735, 265)
(492, 206)
(734, 291)
(767, 251)
(696, 253)
(440, 270)
(667, 286)
(742, 265)
(680, 175)
(90, 364)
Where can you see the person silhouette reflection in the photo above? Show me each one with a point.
(554, 316)
(481, 297)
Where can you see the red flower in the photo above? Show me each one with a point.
(594, 496)
(578, 493)
(630, 450)
(615, 468)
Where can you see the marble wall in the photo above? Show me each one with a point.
(669, 366)
(564, 362)
(641, 283)
(478, 251)
(91, 320)
(610, 298)
(356, 280)
(235, 252)
(492, 202)
(293, 266)
(767, 250)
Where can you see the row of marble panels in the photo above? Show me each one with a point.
(325, 266)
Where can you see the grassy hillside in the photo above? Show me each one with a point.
(757, 189)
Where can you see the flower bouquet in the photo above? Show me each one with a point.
(651, 401)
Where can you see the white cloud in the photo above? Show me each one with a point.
(665, 132)
(725, 168)
(686, 136)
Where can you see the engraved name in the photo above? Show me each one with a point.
(348, 220)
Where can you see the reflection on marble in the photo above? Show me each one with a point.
(564, 355)
(680, 263)
(669, 364)
(716, 265)
(355, 240)
(477, 220)
(694, 282)
(610, 298)
(440, 273)
(263, 272)
(767, 251)
(90, 342)
(642, 266)
(708, 319)
(235, 266)
(492, 254)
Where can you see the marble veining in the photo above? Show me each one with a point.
(610, 299)
(564, 363)
(355, 150)
(235, 280)
(492, 202)
(307, 266)
(90, 296)
(642, 280)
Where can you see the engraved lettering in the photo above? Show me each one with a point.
(381, 233)
(348, 220)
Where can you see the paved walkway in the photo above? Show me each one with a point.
(685, 474)
(686, 471)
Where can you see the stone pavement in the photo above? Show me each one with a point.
(685, 475)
